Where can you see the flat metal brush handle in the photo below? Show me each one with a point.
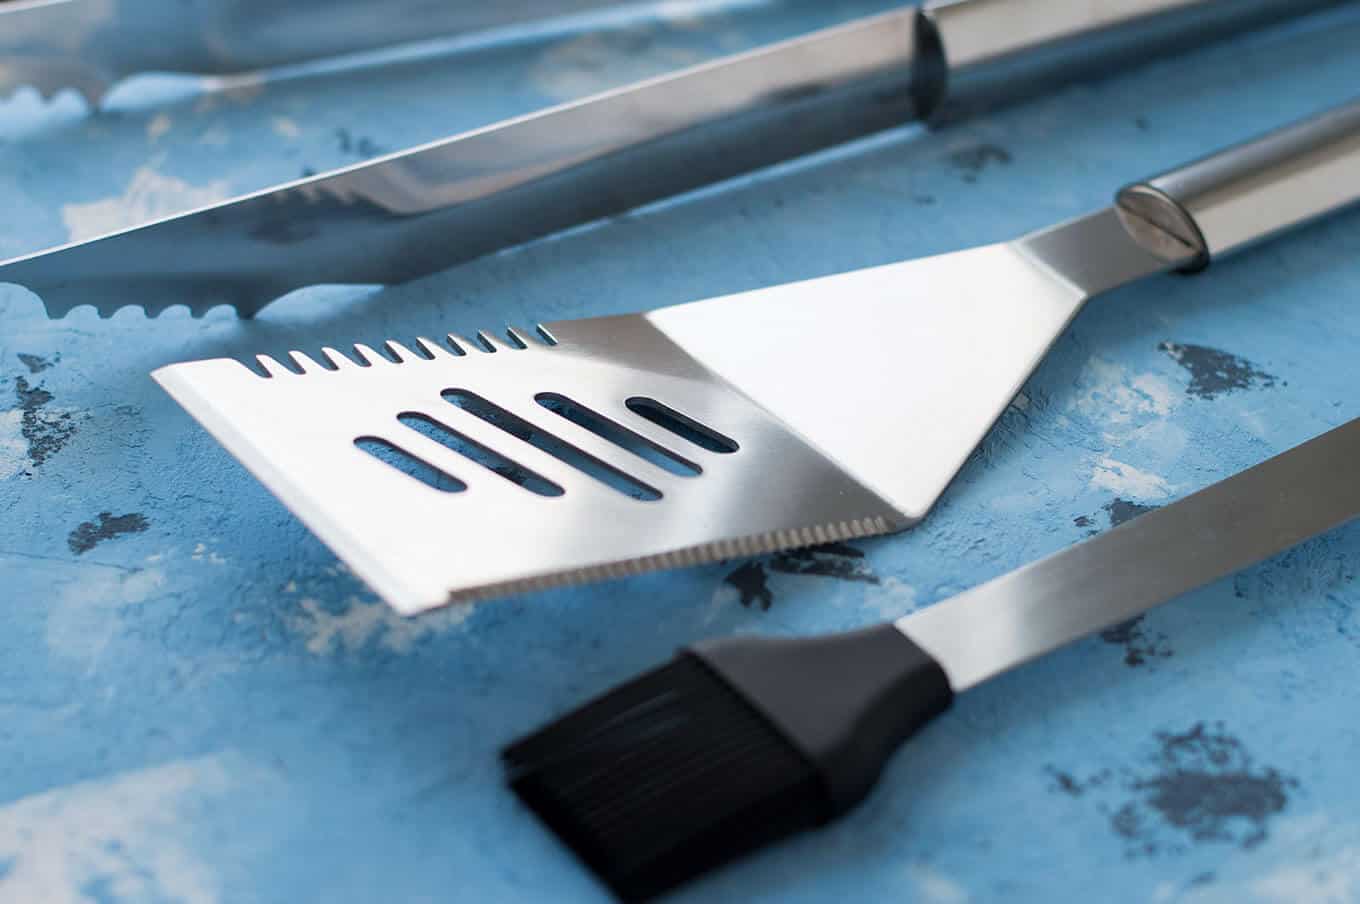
(1251, 192)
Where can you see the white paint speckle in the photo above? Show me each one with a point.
(1127, 481)
(122, 837)
(13, 446)
(361, 623)
(1109, 396)
(285, 127)
(893, 598)
(1158, 394)
(935, 887)
(159, 125)
(215, 137)
(149, 196)
(83, 615)
(1331, 880)
(202, 553)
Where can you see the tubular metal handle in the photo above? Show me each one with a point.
(973, 53)
(1250, 192)
(974, 32)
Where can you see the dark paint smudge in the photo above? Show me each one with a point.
(37, 364)
(1122, 510)
(1068, 784)
(752, 583)
(832, 560)
(360, 147)
(972, 161)
(90, 534)
(1139, 646)
(1207, 787)
(46, 433)
(1213, 372)
(1082, 521)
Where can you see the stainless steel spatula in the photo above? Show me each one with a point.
(725, 427)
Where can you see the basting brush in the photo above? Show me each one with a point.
(738, 743)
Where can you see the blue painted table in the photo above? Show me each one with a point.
(198, 704)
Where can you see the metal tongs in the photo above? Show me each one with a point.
(89, 45)
(413, 213)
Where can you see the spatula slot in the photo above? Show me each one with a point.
(408, 464)
(610, 431)
(685, 427)
(491, 460)
(553, 445)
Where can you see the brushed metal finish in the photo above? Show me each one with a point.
(1147, 561)
(88, 45)
(426, 209)
(420, 548)
(1232, 199)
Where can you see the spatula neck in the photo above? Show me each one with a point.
(1096, 253)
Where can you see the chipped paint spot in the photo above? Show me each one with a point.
(89, 534)
(45, 431)
(122, 836)
(1126, 480)
(1120, 511)
(149, 196)
(833, 560)
(1214, 373)
(1206, 787)
(360, 623)
(972, 161)
(36, 364)
(1139, 644)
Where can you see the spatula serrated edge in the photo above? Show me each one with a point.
(718, 550)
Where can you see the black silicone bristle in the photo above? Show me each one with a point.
(665, 778)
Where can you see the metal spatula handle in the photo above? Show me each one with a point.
(1248, 193)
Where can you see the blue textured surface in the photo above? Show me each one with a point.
(198, 704)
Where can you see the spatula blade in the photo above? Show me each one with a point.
(897, 372)
(759, 487)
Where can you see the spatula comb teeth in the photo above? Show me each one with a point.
(422, 349)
